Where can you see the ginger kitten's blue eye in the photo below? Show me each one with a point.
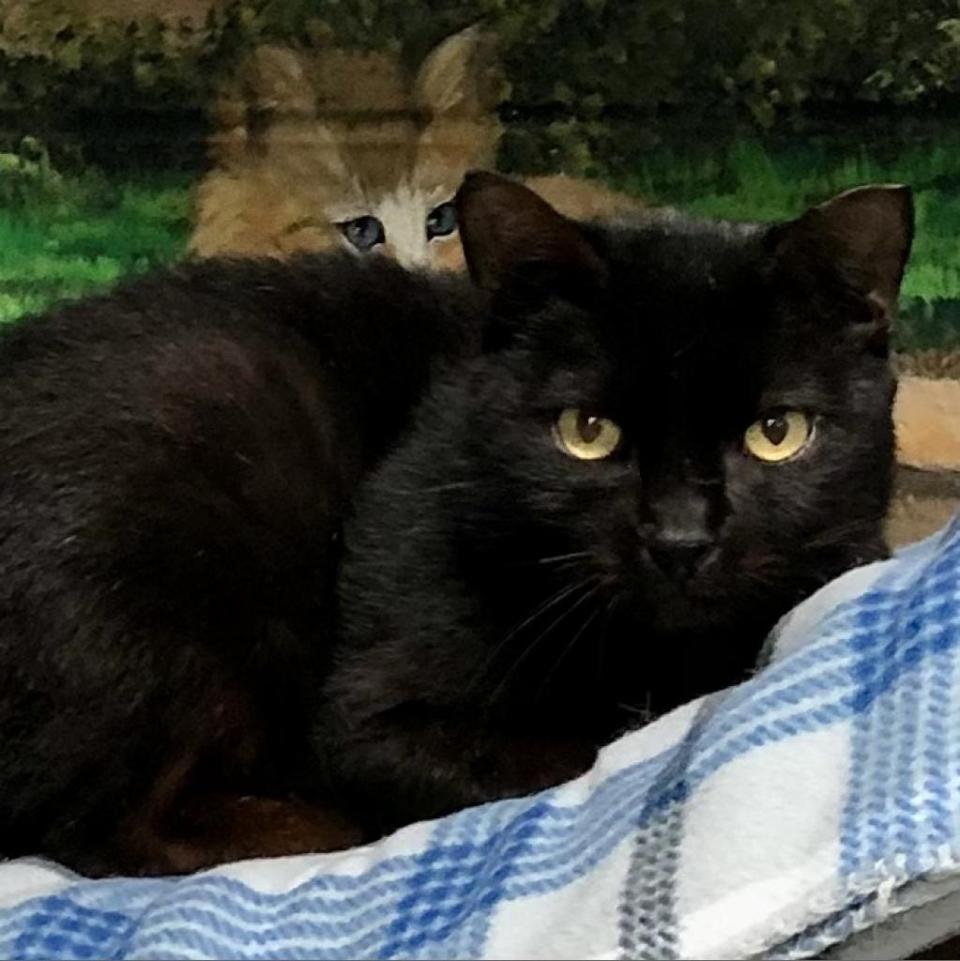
(364, 233)
(441, 221)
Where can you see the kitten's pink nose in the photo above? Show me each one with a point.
(679, 555)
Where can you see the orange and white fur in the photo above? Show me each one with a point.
(321, 148)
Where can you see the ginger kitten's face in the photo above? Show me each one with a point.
(342, 148)
(416, 225)
(410, 225)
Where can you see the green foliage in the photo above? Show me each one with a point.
(91, 87)
(52, 58)
(26, 176)
(624, 74)
(592, 79)
(597, 81)
(86, 235)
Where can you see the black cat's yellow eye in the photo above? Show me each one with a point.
(778, 437)
(584, 436)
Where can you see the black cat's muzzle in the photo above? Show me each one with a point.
(682, 559)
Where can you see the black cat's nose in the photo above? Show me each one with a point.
(679, 555)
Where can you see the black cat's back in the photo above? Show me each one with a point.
(176, 460)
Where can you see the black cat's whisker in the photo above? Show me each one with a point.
(644, 712)
(764, 577)
(539, 611)
(561, 567)
(609, 611)
(437, 489)
(841, 533)
(568, 648)
(691, 344)
(557, 558)
(558, 563)
(526, 653)
(453, 486)
(761, 565)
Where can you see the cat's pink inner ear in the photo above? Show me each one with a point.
(869, 230)
(505, 227)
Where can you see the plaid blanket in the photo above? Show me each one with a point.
(774, 819)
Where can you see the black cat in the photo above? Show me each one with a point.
(677, 431)
(176, 460)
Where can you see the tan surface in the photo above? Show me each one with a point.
(923, 501)
(934, 363)
(927, 417)
(912, 518)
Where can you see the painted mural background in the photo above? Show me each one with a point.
(747, 108)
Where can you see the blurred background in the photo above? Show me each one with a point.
(113, 111)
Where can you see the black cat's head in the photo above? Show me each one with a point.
(698, 414)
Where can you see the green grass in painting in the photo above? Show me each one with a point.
(82, 235)
(83, 239)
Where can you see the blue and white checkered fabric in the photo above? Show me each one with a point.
(773, 819)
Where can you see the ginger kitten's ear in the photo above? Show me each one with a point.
(461, 75)
(457, 91)
(514, 239)
(272, 82)
(865, 233)
(279, 81)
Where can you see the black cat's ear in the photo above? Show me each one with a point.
(513, 238)
(864, 235)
